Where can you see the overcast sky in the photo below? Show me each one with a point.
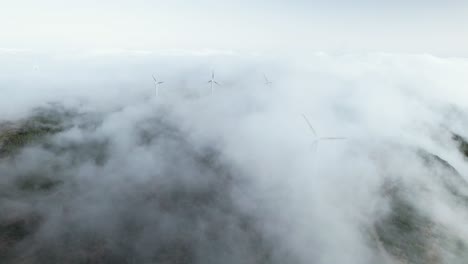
(435, 27)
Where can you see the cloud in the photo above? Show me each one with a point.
(191, 177)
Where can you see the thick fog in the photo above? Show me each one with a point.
(237, 175)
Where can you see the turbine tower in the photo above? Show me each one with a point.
(157, 84)
(317, 137)
(212, 82)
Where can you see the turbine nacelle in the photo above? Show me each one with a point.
(157, 84)
(212, 82)
(267, 82)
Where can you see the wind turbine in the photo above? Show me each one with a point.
(267, 82)
(157, 84)
(212, 81)
(317, 137)
(316, 141)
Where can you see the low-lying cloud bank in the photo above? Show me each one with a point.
(95, 168)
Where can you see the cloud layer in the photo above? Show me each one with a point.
(191, 177)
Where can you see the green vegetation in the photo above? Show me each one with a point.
(462, 144)
(449, 177)
(408, 232)
(36, 183)
(405, 232)
(15, 230)
(43, 123)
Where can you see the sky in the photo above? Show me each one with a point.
(433, 27)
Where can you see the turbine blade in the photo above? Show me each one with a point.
(217, 83)
(160, 82)
(309, 124)
(332, 138)
(154, 78)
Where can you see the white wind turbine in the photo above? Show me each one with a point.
(317, 137)
(157, 84)
(212, 82)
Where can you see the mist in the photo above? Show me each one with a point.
(95, 168)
